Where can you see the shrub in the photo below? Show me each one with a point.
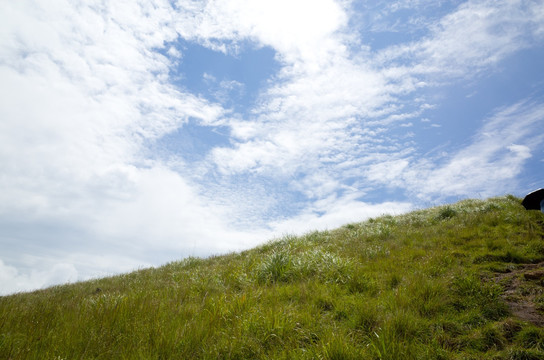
(446, 213)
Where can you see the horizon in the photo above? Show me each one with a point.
(133, 134)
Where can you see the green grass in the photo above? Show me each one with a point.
(424, 285)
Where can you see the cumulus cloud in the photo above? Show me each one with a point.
(299, 31)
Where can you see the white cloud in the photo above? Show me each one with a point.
(477, 35)
(311, 118)
(11, 280)
(333, 212)
(82, 89)
(521, 151)
(299, 31)
(166, 211)
(390, 171)
(490, 164)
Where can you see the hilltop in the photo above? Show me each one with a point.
(460, 281)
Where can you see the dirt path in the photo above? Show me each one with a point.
(523, 286)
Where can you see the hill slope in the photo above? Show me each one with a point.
(463, 281)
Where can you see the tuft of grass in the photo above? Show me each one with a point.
(423, 285)
(278, 266)
(531, 338)
(446, 212)
(285, 266)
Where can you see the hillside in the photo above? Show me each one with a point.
(462, 281)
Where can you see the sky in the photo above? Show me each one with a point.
(136, 133)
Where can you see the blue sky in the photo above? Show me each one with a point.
(134, 133)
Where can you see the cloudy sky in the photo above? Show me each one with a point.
(134, 133)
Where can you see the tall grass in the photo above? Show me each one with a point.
(415, 286)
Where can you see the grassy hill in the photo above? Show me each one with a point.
(463, 281)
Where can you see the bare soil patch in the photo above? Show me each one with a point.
(524, 292)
